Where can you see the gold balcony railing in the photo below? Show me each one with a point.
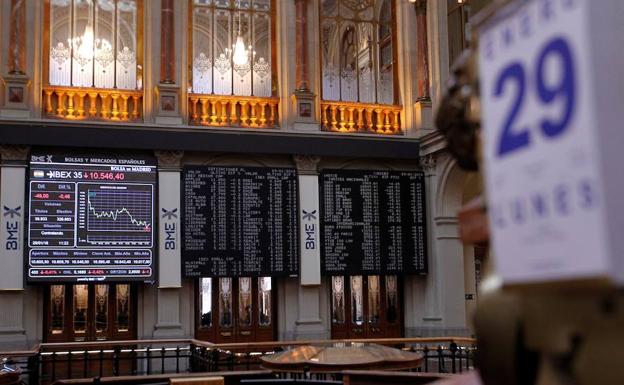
(361, 117)
(92, 103)
(233, 111)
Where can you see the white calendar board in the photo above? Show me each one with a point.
(553, 105)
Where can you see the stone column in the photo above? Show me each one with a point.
(422, 73)
(309, 324)
(12, 185)
(167, 48)
(303, 75)
(168, 90)
(17, 38)
(168, 322)
(309, 232)
(16, 90)
(304, 98)
(423, 110)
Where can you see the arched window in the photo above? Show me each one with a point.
(94, 43)
(357, 51)
(232, 47)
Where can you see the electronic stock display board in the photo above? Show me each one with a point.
(373, 222)
(91, 218)
(240, 221)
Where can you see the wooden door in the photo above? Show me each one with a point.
(84, 313)
(245, 307)
(87, 313)
(235, 309)
(366, 307)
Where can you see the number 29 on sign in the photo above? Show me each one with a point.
(514, 136)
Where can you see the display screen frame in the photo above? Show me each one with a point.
(186, 254)
(353, 268)
(40, 158)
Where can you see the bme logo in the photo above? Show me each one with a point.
(12, 227)
(170, 229)
(309, 229)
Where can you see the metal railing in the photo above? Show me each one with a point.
(440, 355)
(49, 362)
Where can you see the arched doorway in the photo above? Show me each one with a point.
(473, 254)
(456, 188)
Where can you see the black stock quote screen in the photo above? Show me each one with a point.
(91, 218)
(240, 222)
(373, 222)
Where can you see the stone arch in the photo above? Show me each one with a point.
(450, 188)
(455, 188)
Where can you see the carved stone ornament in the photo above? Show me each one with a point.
(169, 158)
(428, 164)
(307, 164)
(15, 153)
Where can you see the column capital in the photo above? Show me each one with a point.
(14, 153)
(169, 159)
(428, 163)
(307, 164)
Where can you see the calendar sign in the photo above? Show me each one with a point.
(549, 110)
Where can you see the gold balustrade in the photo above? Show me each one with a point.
(75, 103)
(233, 111)
(361, 117)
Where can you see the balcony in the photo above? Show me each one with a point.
(361, 118)
(233, 111)
(75, 103)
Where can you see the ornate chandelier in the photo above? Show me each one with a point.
(240, 55)
(87, 48)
